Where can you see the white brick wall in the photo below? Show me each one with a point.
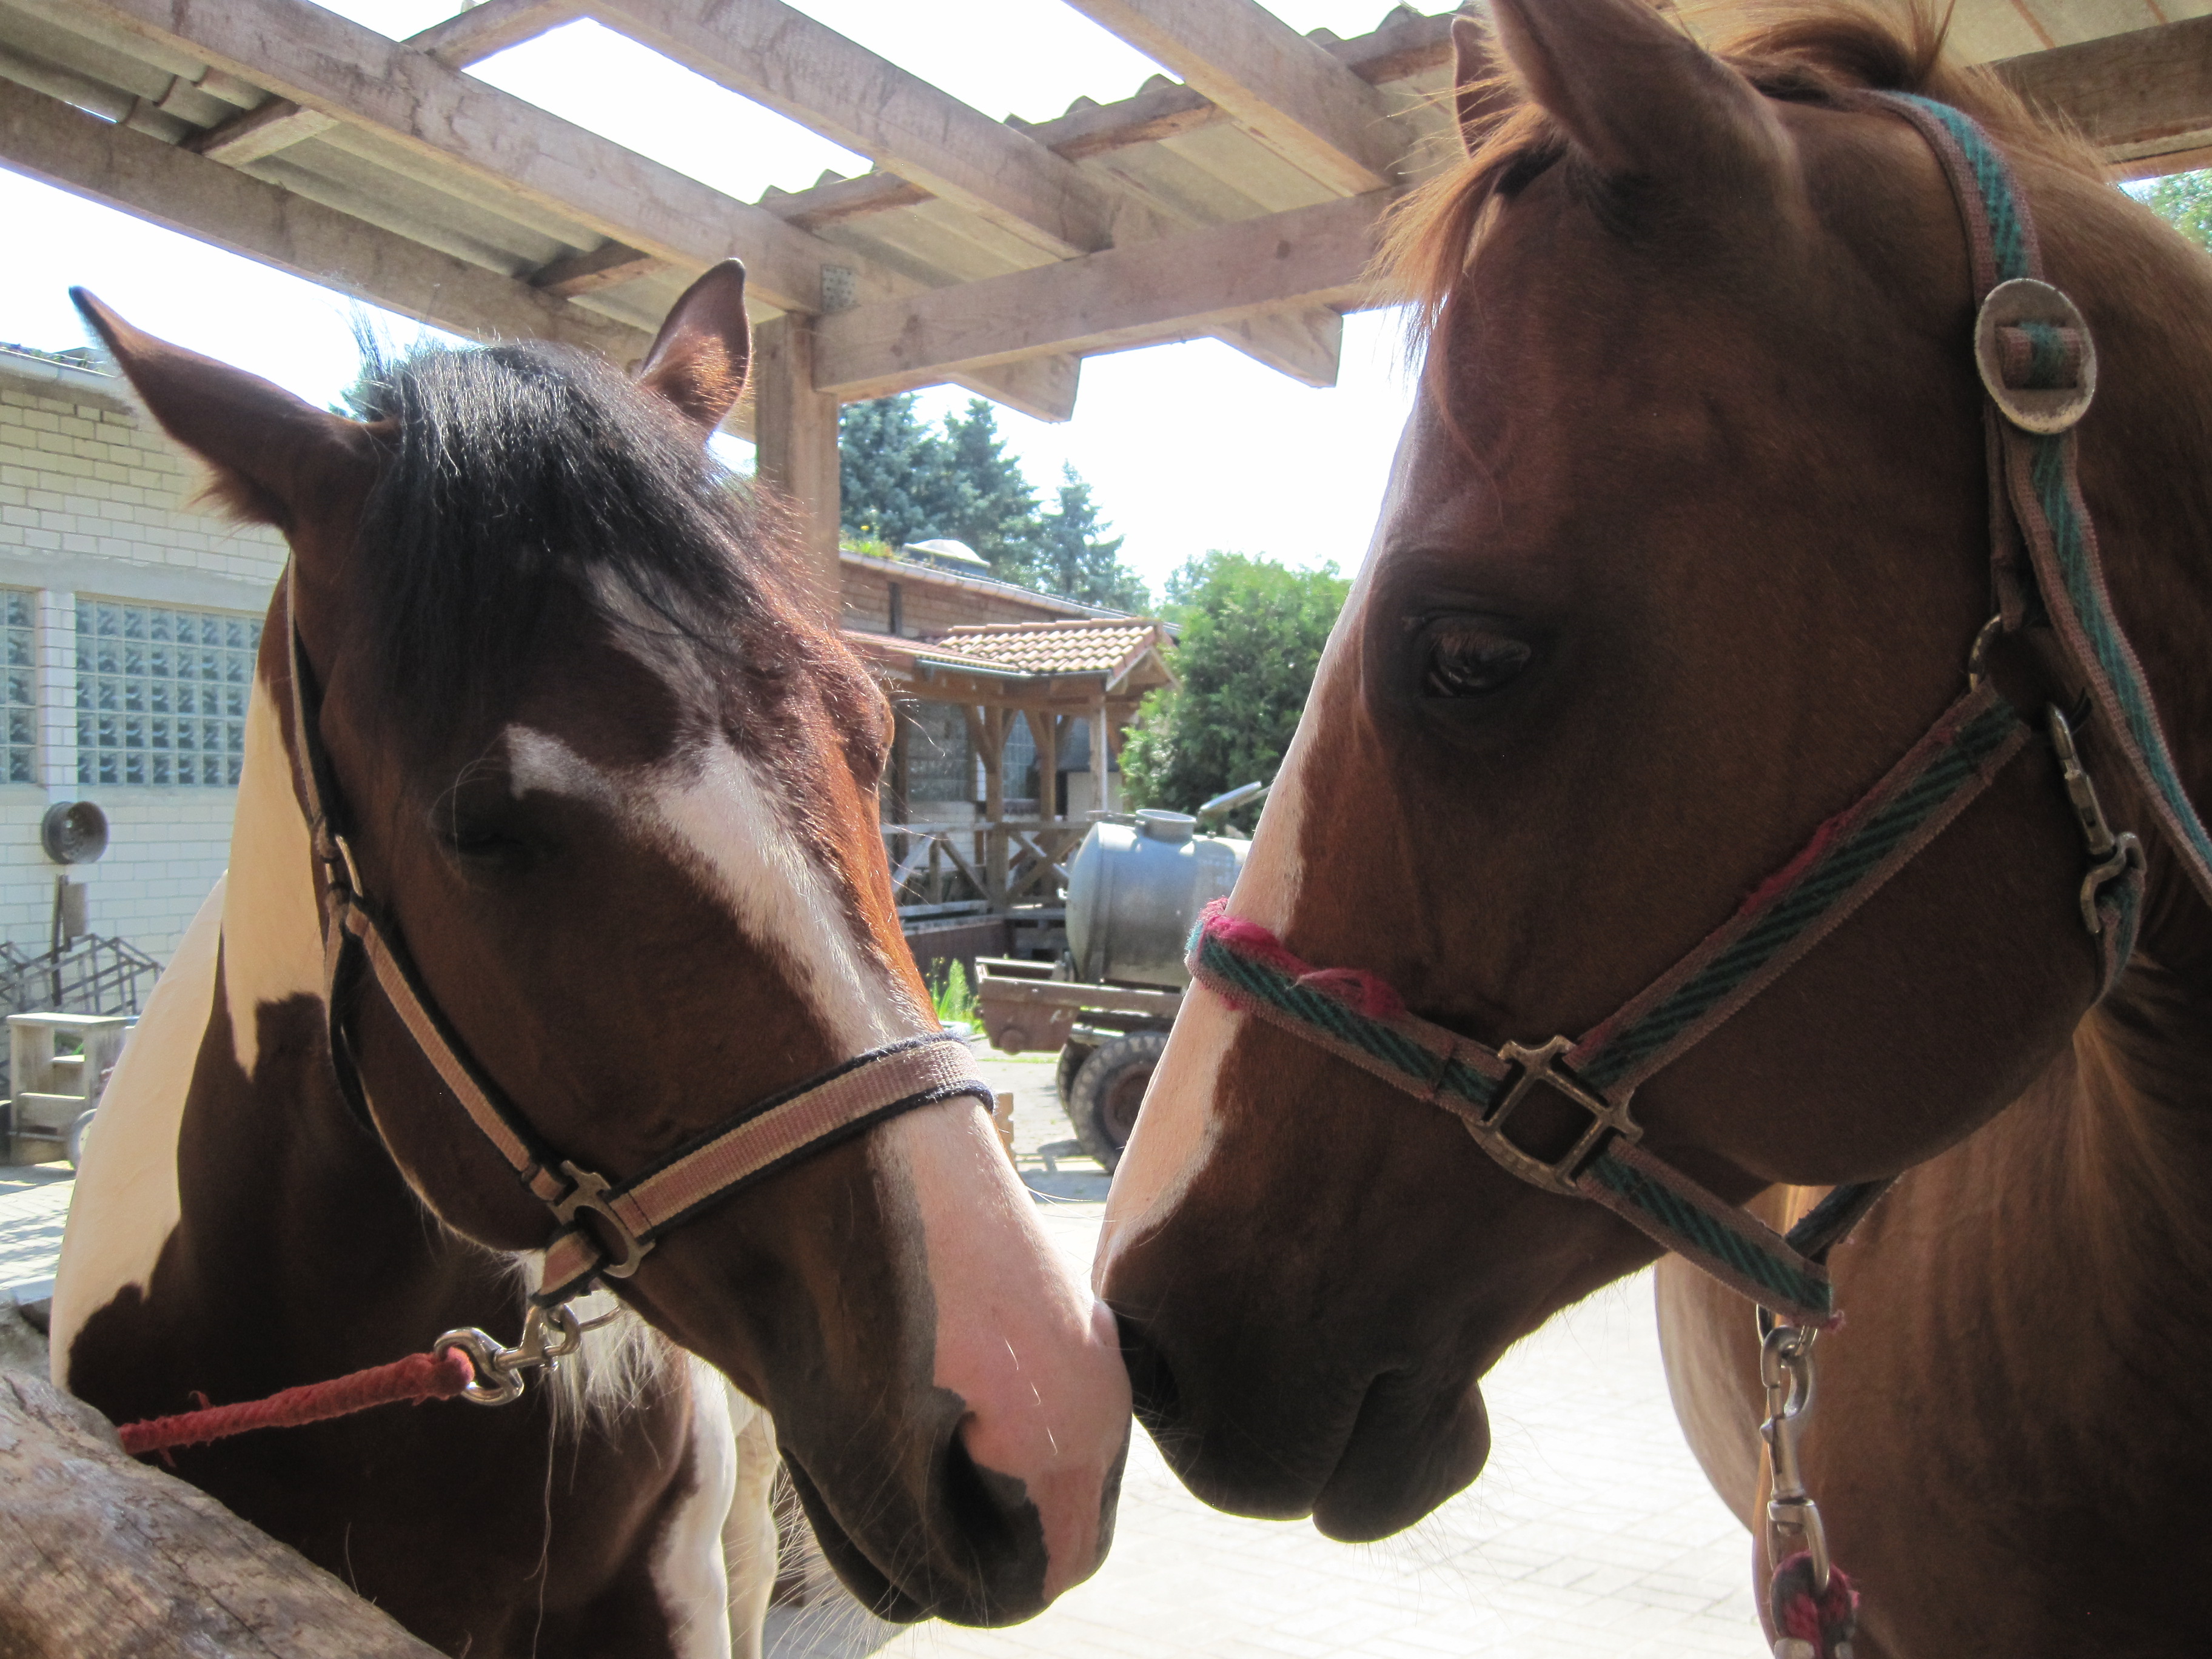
(95, 501)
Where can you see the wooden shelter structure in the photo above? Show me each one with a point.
(1052, 674)
(1239, 201)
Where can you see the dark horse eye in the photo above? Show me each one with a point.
(1466, 661)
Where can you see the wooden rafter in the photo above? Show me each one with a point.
(170, 186)
(1279, 85)
(782, 58)
(470, 36)
(1170, 289)
(324, 62)
(2146, 94)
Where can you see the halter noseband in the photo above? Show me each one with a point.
(625, 1220)
(2037, 367)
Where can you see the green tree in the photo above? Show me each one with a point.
(982, 499)
(902, 481)
(2184, 200)
(1073, 557)
(890, 469)
(1252, 633)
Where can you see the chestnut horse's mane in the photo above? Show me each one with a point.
(1796, 53)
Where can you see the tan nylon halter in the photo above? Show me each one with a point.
(632, 1217)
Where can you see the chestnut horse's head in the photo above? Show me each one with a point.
(1686, 543)
(614, 789)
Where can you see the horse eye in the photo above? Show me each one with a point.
(1465, 661)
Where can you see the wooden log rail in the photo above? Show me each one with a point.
(108, 1558)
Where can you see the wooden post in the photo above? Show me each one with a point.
(795, 435)
(995, 807)
(1044, 727)
(1101, 779)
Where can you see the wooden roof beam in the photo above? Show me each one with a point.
(485, 30)
(1173, 288)
(780, 57)
(2147, 93)
(1292, 94)
(171, 186)
(324, 64)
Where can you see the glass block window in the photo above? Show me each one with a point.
(19, 623)
(160, 695)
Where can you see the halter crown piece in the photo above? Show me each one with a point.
(602, 1228)
(2038, 367)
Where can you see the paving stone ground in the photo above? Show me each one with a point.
(1591, 1533)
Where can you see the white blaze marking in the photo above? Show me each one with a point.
(272, 933)
(1176, 1128)
(126, 1202)
(687, 1567)
(723, 819)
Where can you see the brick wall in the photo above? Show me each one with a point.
(95, 502)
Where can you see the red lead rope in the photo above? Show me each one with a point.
(410, 1381)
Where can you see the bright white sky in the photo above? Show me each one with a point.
(1188, 447)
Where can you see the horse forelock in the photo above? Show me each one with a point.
(1820, 53)
(512, 472)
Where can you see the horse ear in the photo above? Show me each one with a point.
(699, 358)
(1634, 94)
(1482, 86)
(273, 455)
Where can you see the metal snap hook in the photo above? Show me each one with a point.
(1785, 1370)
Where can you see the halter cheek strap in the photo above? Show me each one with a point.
(602, 1229)
(2038, 368)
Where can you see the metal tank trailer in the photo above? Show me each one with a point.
(1136, 887)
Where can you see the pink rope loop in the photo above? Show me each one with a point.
(1361, 991)
(418, 1377)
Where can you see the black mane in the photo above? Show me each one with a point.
(512, 470)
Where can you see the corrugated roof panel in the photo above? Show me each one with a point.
(380, 198)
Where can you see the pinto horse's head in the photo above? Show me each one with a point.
(614, 788)
(1686, 544)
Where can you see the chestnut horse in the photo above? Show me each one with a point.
(1686, 543)
(611, 791)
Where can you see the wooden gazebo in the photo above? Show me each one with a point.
(1052, 674)
(1239, 202)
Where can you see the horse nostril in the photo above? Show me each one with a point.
(1151, 1381)
(981, 1503)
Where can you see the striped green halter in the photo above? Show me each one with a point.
(2038, 368)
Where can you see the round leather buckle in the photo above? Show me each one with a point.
(2035, 356)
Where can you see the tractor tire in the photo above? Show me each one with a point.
(1108, 1091)
(1071, 1061)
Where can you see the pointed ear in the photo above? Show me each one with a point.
(275, 457)
(1482, 87)
(1636, 95)
(698, 362)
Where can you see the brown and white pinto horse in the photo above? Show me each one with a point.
(618, 792)
(1686, 543)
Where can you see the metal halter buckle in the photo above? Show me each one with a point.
(502, 1372)
(2021, 304)
(589, 1190)
(1541, 1065)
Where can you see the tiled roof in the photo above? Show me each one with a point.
(1083, 647)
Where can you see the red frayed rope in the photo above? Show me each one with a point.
(410, 1381)
(1363, 993)
(1825, 1622)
